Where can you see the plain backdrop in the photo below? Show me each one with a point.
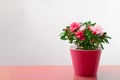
(29, 29)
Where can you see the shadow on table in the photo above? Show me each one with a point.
(84, 78)
(101, 76)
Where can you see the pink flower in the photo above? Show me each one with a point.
(80, 35)
(96, 29)
(74, 26)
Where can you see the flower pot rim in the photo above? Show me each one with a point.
(73, 48)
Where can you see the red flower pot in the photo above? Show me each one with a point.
(85, 62)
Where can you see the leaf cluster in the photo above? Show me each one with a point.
(91, 41)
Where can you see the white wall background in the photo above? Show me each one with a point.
(29, 29)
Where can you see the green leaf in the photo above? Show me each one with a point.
(89, 37)
(93, 24)
(108, 37)
(106, 41)
(101, 46)
(71, 39)
(97, 39)
(67, 26)
(89, 22)
(63, 37)
(61, 34)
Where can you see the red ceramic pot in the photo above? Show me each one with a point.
(85, 62)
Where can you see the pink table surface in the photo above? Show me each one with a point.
(55, 73)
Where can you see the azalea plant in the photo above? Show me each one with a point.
(87, 35)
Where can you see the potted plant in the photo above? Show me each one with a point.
(88, 39)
